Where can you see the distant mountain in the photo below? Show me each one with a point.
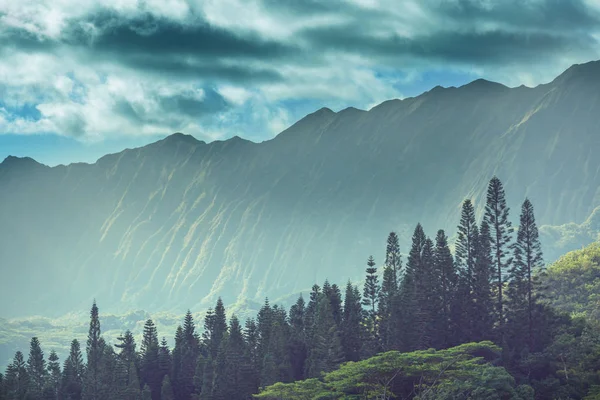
(179, 222)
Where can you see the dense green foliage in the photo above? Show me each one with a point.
(470, 327)
(573, 282)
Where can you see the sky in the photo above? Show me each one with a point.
(82, 78)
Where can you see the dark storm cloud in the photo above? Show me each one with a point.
(569, 15)
(148, 34)
(485, 48)
(193, 48)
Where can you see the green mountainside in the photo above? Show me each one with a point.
(180, 222)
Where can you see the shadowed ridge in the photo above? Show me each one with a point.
(312, 122)
(586, 72)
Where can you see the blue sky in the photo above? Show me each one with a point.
(81, 79)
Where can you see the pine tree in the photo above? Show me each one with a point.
(73, 371)
(389, 291)
(166, 391)
(333, 294)
(36, 370)
(370, 299)
(165, 363)
(408, 331)
(54, 374)
(351, 326)
(150, 373)
(482, 288)
(2, 388)
(94, 353)
(233, 379)
(17, 378)
(426, 297)
(447, 279)
(251, 339)
(522, 283)
(187, 352)
(326, 352)
(298, 348)
(177, 357)
(371, 289)
(496, 216)
(311, 312)
(132, 392)
(109, 370)
(465, 255)
(126, 358)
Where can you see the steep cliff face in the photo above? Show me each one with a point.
(179, 222)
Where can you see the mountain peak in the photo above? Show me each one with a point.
(11, 161)
(483, 84)
(179, 137)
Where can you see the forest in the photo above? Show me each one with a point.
(478, 321)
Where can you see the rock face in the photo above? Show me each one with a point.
(176, 224)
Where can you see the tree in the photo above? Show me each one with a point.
(447, 278)
(187, 351)
(165, 363)
(17, 378)
(371, 289)
(522, 284)
(496, 216)
(150, 373)
(389, 291)
(94, 354)
(232, 371)
(166, 391)
(326, 352)
(36, 370)
(369, 300)
(298, 348)
(333, 294)
(482, 287)
(351, 326)
(73, 372)
(54, 374)
(465, 255)
(407, 331)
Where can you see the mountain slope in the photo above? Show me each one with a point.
(179, 222)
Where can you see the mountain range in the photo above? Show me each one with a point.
(177, 223)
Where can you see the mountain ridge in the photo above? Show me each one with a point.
(181, 221)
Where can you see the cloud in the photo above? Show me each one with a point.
(218, 68)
